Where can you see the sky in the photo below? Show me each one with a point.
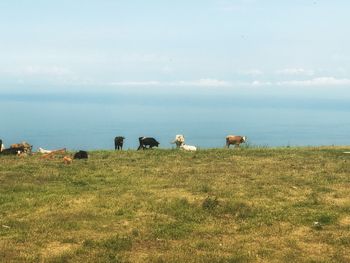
(255, 46)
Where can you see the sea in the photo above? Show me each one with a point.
(90, 120)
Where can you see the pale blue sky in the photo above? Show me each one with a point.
(257, 45)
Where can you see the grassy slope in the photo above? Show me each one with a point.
(170, 206)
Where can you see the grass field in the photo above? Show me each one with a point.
(218, 205)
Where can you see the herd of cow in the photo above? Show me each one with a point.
(150, 142)
(145, 143)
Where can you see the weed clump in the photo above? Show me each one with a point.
(240, 210)
(210, 203)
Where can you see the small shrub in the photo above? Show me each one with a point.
(135, 232)
(210, 203)
(88, 243)
(325, 219)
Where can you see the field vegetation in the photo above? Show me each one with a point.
(218, 205)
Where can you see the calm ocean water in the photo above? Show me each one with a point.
(91, 121)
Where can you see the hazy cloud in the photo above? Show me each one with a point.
(322, 81)
(207, 82)
(204, 83)
(47, 71)
(251, 72)
(256, 83)
(136, 83)
(295, 71)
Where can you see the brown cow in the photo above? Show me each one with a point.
(235, 140)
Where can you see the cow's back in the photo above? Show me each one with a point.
(234, 139)
(81, 155)
(148, 141)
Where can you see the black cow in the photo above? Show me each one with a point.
(118, 142)
(81, 155)
(147, 141)
(16, 148)
(13, 151)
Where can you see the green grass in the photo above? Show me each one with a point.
(218, 205)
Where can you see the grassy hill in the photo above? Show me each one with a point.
(218, 205)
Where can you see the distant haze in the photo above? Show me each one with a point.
(91, 122)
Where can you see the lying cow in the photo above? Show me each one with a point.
(23, 147)
(12, 151)
(118, 142)
(179, 140)
(17, 148)
(147, 141)
(235, 140)
(81, 155)
(188, 148)
(41, 150)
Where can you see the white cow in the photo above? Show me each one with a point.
(188, 148)
(179, 140)
(2, 147)
(41, 150)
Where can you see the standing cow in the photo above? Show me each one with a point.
(179, 140)
(1, 146)
(118, 142)
(235, 140)
(147, 141)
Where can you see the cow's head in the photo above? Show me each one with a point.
(244, 138)
(179, 138)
